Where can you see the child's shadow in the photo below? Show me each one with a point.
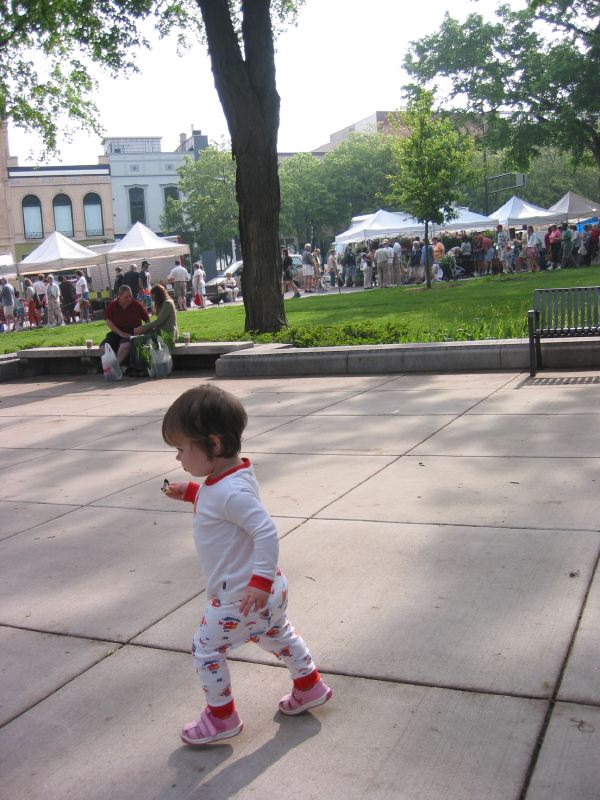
(194, 763)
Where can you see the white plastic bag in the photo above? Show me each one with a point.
(161, 360)
(110, 366)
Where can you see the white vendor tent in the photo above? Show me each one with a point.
(57, 252)
(516, 212)
(141, 242)
(574, 206)
(396, 223)
(375, 226)
(468, 221)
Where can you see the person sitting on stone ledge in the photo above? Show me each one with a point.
(123, 316)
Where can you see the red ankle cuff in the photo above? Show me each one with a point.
(308, 681)
(222, 712)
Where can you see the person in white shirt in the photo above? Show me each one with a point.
(396, 262)
(231, 286)
(383, 257)
(534, 242)
(55, 316)
(179, 277)
(238, 548)
(199, 283)
(40, 287)
(83, 296)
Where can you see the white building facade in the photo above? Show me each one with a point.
(144, 177)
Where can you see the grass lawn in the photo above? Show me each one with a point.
(481, 308)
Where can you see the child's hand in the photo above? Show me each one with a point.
(175, 491)
(253, 600)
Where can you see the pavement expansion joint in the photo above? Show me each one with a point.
(438, 524)
(554, 698)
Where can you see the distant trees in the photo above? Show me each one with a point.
(319, 196)
(206, 215)
(550, 175)
(431, 161)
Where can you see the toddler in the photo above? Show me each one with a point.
(237, 543)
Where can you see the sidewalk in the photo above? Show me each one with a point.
(440, 534)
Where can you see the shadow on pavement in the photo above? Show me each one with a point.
(193, 764)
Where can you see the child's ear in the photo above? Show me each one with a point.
(217, 446)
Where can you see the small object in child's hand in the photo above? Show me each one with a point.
(165, 486)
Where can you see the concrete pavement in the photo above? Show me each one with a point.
(441, 538)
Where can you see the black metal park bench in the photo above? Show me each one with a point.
(561, 313)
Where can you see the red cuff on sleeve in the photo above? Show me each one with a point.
(258, 582)
(191, 492)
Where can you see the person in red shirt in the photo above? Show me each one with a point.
(122, 316)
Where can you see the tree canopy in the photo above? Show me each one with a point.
(45, 55)
(533, 73)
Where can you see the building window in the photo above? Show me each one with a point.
(92, 212)
(32, 217)
(172, 192)
(137, 205)
(63, 215)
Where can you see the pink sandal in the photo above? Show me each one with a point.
(298, 701)
(209, 728)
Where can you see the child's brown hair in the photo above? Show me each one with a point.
(203, 412)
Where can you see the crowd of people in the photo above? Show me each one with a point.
(45, 302)
(400, 261)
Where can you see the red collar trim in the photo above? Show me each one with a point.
(244, 465)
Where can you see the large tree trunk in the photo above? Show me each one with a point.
(246, 87)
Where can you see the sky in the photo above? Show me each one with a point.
(340, 64)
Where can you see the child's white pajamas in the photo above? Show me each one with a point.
(237, 543)
(223, 628)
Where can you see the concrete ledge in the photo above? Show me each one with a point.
(391, 358)
(244, 359)
(78, 359)
(81, 351)
(9, 367)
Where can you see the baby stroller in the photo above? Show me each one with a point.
(452, 271)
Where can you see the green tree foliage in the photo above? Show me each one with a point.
(550, 175)
(534, 74)
(45, 52)
(303, 196)
(206, 216)
(430, 164)
(355, 175)
(319, 196)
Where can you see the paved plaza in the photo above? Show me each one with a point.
(440, 534)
